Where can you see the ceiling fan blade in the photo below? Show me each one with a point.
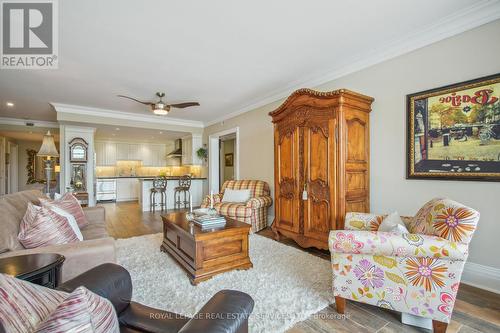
(184, 105)
(136, 100)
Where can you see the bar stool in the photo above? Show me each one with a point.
(159, 186)
(184, 186)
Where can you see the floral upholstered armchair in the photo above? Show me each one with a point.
(417, 272)
(253, 212)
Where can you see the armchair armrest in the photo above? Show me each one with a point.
(227, 311)
(259, 202)
(80, 256)
(394, 244)
(95, 215)
(110, 281)
(362, 221)
(206, 200)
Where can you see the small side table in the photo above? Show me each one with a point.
(82, 197)
(43, 269)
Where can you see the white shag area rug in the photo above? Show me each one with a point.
(287, 284)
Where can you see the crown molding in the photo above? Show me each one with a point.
(468, 18)
(106, 113)
(23, 122)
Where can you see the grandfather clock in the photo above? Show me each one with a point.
(78, 156)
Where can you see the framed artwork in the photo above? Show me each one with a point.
(229, 159)
(454, 131)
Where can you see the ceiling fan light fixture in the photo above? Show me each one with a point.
(160, 111)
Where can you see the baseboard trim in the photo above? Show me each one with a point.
(481, 276)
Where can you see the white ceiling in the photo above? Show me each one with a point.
(228, 55)
(24, 133)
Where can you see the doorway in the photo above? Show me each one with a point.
(12, 168)
(223, 164)
(227, 153)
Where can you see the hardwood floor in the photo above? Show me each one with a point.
(476, 310)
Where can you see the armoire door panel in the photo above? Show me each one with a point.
(356, 140)
(356, 188)
(286, 187)
(319, 155)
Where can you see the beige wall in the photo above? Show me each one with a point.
(256, 154)
(467, 56)
(23, 160)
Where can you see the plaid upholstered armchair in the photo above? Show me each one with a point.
(253, 212)
(417, 272)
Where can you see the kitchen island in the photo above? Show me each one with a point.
(146, 184)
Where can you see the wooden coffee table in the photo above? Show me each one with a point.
(204, 254)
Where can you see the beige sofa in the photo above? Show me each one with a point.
(96, 248)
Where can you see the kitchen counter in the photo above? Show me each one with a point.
(198, 187)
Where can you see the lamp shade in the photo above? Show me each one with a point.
(48, 148)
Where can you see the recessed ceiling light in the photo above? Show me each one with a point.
(118, 128)
(9, 104)
(161, 132)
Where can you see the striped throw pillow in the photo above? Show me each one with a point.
(69, 203)
(41, 227)
(24, 305)
(82, 311)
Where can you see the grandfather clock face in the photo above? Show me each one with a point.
(78, 150)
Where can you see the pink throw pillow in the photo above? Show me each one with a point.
(42, 227)
(24, 305)
(69, 203)
(82, 311)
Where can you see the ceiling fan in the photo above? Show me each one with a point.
(160, 107)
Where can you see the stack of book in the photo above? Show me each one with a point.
(210, 222)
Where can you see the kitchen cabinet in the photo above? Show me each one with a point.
(122, 151)
(134, 152)
(110, 153)
(151, 155)
(190, 144)
(127, 189)
(99, 153)
(105, 153)
(146, 155)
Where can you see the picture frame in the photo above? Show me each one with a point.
(453, 132)
(229, 159)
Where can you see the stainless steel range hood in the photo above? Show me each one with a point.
(177, 152)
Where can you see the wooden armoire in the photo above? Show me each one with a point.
(321, 163)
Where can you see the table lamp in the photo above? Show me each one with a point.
(48, 149)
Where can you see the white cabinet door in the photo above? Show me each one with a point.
(122, 151)
(155, 155)
(145, 155)
(127, 189)
(190, 146)
(110, 154)
(134, 152)
(187, 151)
(122, 190)
(162, 156)
(134, 187)
(99, 154)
